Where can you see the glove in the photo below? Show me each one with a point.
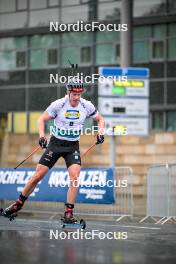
(43, 142)
(100, 139)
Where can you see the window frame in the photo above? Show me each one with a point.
(51, 6)
(46, 65)
(17, 6)
(116, 58)
(89, 62)
(154, 40)
(21, 67)
(163, 121)
(167, 40)
(57, 56)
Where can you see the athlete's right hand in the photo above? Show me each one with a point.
(43, 142)
(100, 139)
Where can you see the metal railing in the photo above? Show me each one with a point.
(161, 193)
(123, 191)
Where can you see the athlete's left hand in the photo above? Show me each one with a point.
(100, 139)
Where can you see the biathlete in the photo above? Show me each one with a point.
(69, 114)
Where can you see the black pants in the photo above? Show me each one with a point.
(57, 148)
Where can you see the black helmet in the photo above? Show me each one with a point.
(75, 85)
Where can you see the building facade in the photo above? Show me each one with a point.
(30, 52)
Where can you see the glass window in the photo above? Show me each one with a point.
(41, 76)
(14, 102)
(172, 48)
(171, 93)
(171, 69)
(141, 51)
(13, 20)
(7, 59)
(20, 122)
(156, 93)
(159, 31)
(69, 3)
(53, 2)
(85, 54)
(84, 1)
(142, 32)
(7, 44)
(103, 54)
(156, 69)
(76, 38)
(158, 49)
(52, 56)
(40, 98)
(172, 29)
(20, 42)
(71, 53)
(7, 6)
(21, 4)
(40, 18)
(107, 36)
(149, 8)
(82, 69)
(33, 4)
(171, 121)
(117, 52)
(12, 77)
(13, 43)
(109, 11)
(44, 41)
(33, 117)
(74, 14)
(37, 58)
(157, 120)
(20, 59)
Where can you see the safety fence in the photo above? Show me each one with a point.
(123, 191)
(161, 193)
(123, 206)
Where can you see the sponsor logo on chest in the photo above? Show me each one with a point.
(72, 114)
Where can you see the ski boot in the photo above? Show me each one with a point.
(11, 211)
(68, 215)
(69, 221)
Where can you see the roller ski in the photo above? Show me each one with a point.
(11, 217)
(11, 211)
(69, 221)
(75, 224)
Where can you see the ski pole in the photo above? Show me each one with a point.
(35, 150)
(87, 151)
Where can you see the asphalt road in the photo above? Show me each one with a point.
(26, 241)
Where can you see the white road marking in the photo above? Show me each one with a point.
(137, 227)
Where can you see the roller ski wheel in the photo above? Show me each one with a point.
(11, 217)
(68, 222)
(83, 224)
(73, 225)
